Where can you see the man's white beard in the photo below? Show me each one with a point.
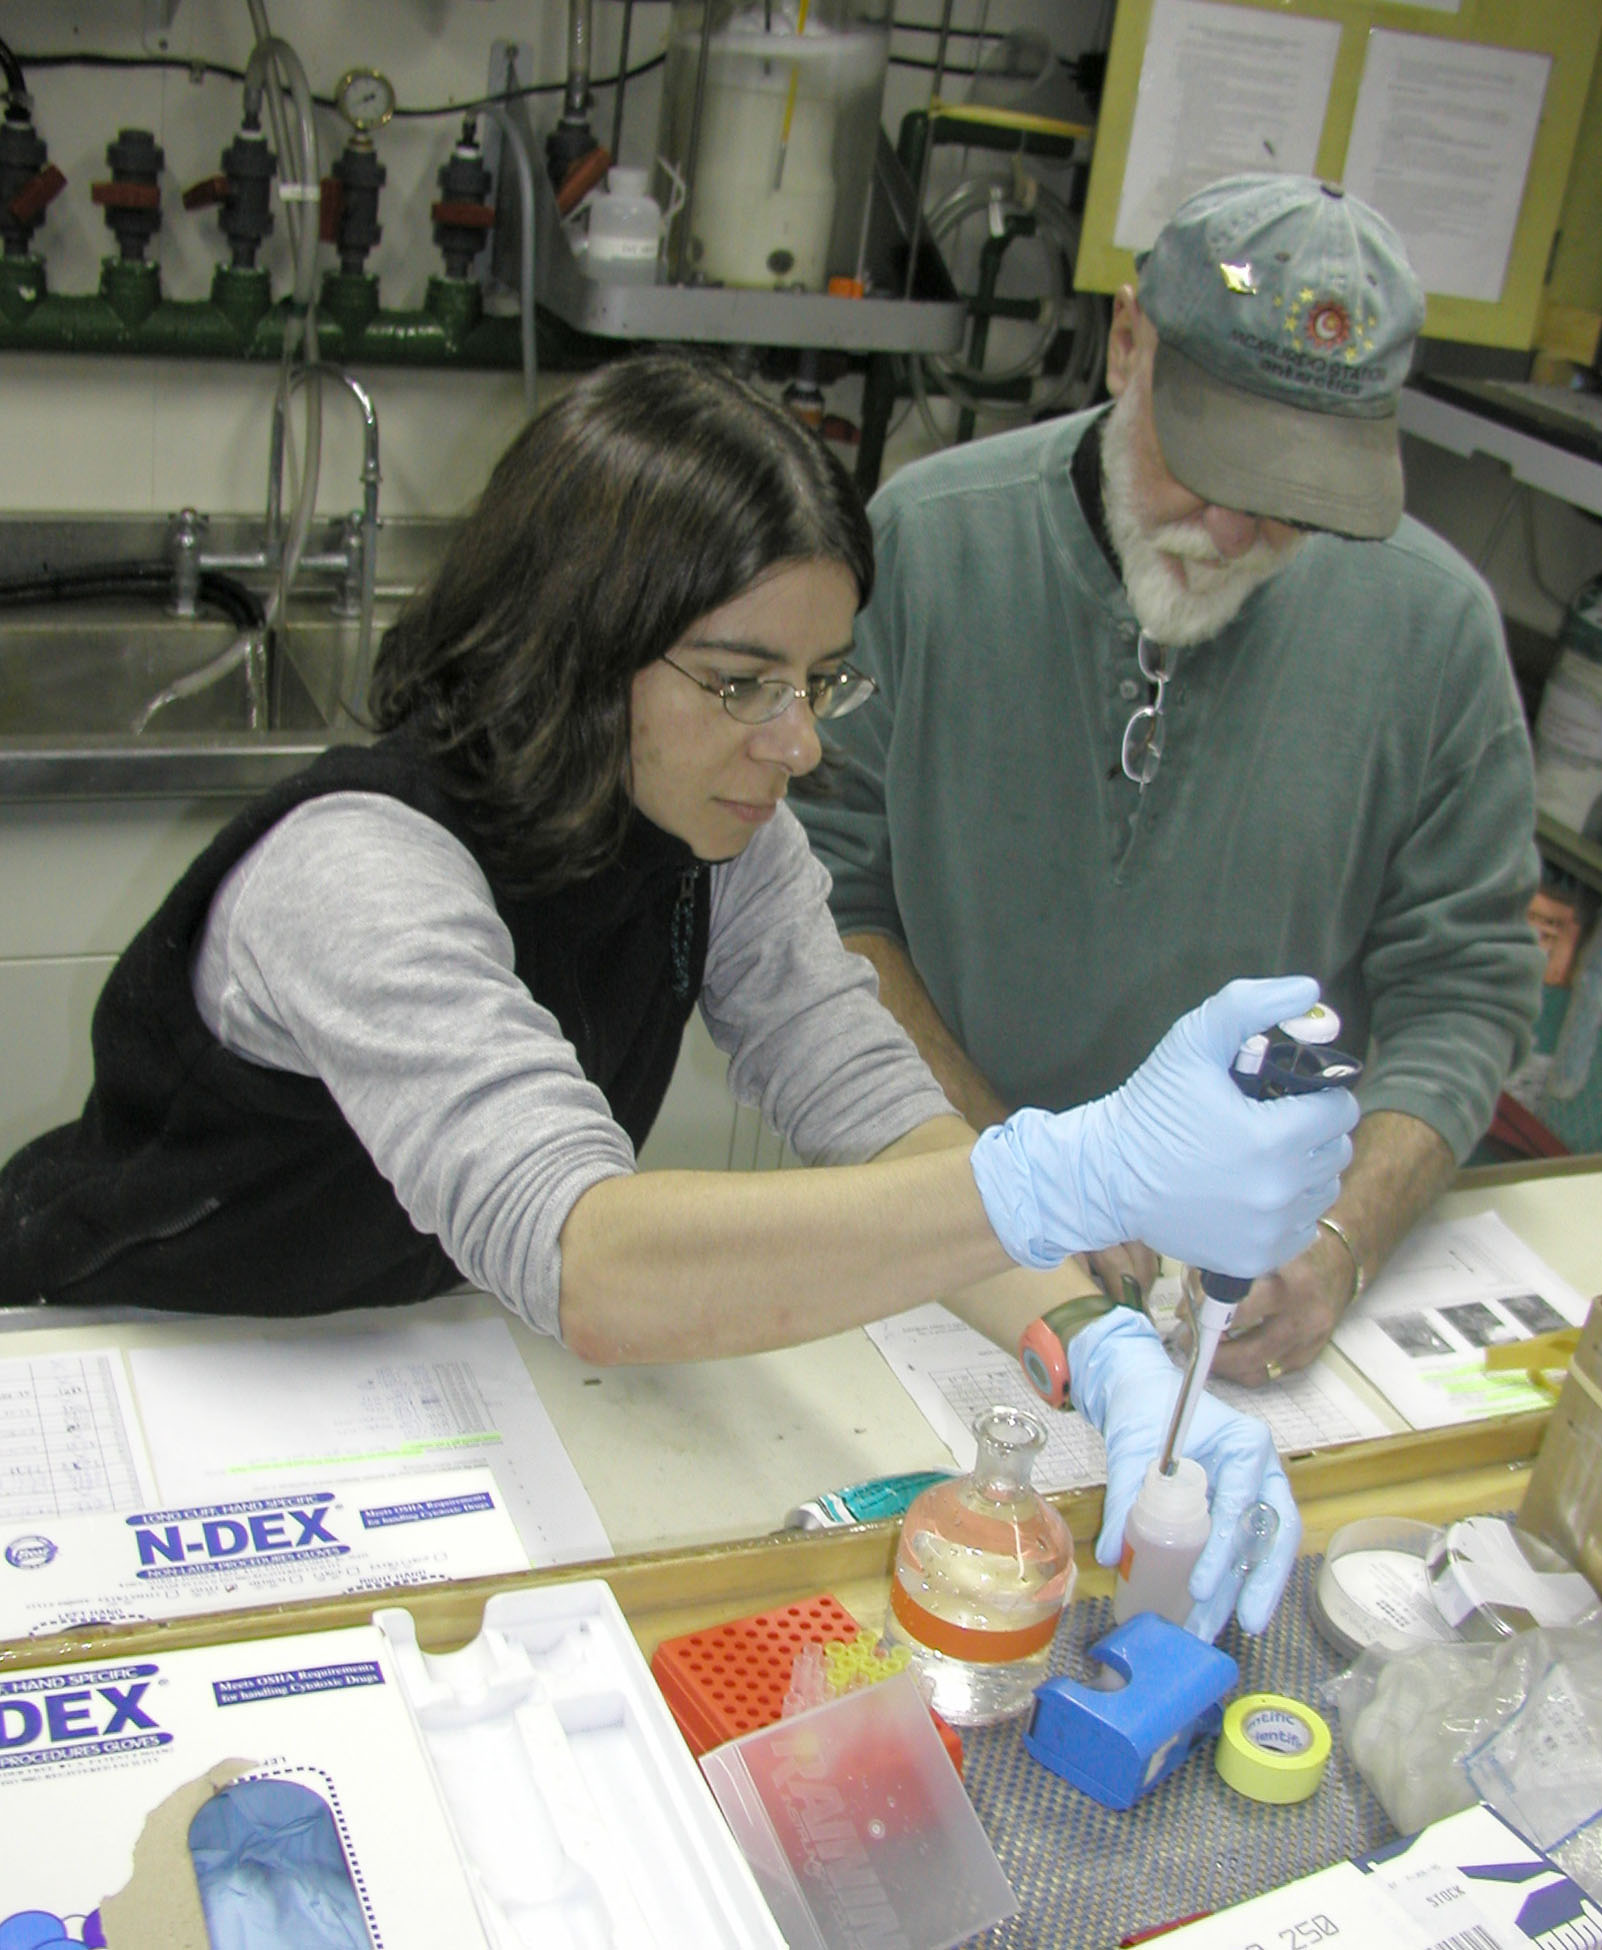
(1173, 611)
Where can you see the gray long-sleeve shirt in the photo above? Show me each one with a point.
(358, 942)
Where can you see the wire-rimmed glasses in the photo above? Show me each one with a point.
(1143, 735)
(759, 700)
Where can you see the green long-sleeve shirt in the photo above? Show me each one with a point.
(1345, 790)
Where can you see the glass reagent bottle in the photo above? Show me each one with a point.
(983, 1570)
(1164, 1535)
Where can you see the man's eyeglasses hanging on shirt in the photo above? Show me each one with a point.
(1143, 735)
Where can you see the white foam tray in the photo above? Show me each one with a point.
(578, 1811)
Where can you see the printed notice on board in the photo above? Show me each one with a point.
(1441, 144)
(1222, 89)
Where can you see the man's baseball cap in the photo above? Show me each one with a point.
(1285, 313)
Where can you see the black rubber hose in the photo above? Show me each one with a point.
(94, 581)
(105, 581)
(243, 608)
(16, 81)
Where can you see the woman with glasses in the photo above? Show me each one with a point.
(410, 1016)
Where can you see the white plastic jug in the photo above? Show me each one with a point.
(1568, 741)
(625, 237)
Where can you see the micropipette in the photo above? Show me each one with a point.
(1290, 1060)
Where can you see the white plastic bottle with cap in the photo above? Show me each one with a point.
(1163, 1537)
(625, 236)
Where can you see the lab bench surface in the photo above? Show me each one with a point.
(1083, 1874)
(1434, 1475)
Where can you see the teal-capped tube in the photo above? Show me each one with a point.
(884, 1496)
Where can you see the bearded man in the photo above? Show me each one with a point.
(1172, 691)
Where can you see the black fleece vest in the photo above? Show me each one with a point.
(197, 1180)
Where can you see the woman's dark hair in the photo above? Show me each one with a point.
(651, 493)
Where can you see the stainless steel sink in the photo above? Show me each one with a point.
(77, 679)
(65, 673)
(75, 687)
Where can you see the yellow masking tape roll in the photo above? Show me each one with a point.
(1272, 1748)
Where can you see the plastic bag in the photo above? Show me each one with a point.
(1515, 1723)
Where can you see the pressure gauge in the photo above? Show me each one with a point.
(365, 98)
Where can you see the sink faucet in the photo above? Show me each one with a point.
(354, 559)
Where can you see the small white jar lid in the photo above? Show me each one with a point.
(1373, 1588)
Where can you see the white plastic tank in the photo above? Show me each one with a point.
(783, 152)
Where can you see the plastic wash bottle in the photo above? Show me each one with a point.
(1164, 1535)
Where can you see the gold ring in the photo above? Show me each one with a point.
(1273, 1370)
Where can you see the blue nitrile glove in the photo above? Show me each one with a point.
(1124, 1382)
(1177, 1156)
(271, 1872)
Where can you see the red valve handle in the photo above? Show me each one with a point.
(471, 216)
(44, 188)
(209, 190)
(126, 196)
(581, 179)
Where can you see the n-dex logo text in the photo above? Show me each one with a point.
(169, 1543)
(72, 1715)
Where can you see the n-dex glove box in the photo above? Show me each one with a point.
(345, 1790)
(119, 1780)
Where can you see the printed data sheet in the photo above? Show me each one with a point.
(154, 1481)
(229, 1418)
(1446, 1294)
(69, 1440)
(953, 1373)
